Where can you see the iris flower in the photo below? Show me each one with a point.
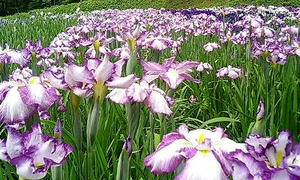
(153, 97)
(171, 71)
(23, 95)
(33, 153)
(11, 56)
(200, 152)
(211, 46)
(230, 71)
(84, 80)
(267, 158)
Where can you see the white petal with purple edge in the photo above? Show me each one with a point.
(202, 166)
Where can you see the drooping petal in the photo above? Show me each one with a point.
(122, 82)
(14, 143)
(152, 68)
(26, 169)
(247, 167)
(13, 109)
(105, 70)
(202, 166)
(167, 157)
(172, 78)
(118, 96)
(158, 103)
(39, 96)
(137, 92)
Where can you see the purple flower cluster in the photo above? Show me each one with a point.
(205, 154)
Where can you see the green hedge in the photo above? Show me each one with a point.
(169, 4)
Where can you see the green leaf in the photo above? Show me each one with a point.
(218, 120)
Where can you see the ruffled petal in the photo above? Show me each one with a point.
(13, 109)
(152, 68)
(137, 92)
(122, 82)
(158, 103)
(39, 96)
(14, 143)
(105, 70)
(118, 96)
(26, 169)
(167, 157)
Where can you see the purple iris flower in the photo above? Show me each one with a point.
(25, 94)
(33, 153)
(204, 66)
(267, 158)
(158, 43)
(82, 79)
(211, 46)
(200, 153)
(11, 56)
(171, 71)
(153, 97)
(230, 71)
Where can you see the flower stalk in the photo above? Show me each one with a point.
(77, 124)
(56, 172)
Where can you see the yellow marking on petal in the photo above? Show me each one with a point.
(100, 91)
(204, 152)
(201, 138)
(39, 165)
(173, 72)
(33, 80)
(187, 143)
(279, 158)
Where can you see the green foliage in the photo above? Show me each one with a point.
(15, 6)
(91, 5)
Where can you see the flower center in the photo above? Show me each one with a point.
(173, 72)
(279, 158)
(201, 138)
(33, 80)
(39, 165)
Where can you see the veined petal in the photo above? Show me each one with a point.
(245, 166)
(5, 86)
(172, 78)
(152, 68)
(51, 150)
(118, 96)
(75, 74)
(202, 166)
(14, 143)
(257, 144)
(122, 82)
(166, 158)
(26, 168)
(105, 70)
(186, 66)
(137, 92)
(38, 95)
(55, 77)
(150, 78)
(13, 109)
(158, 103)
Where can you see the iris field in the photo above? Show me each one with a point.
(151, 94)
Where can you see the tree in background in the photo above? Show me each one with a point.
(8, 7)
